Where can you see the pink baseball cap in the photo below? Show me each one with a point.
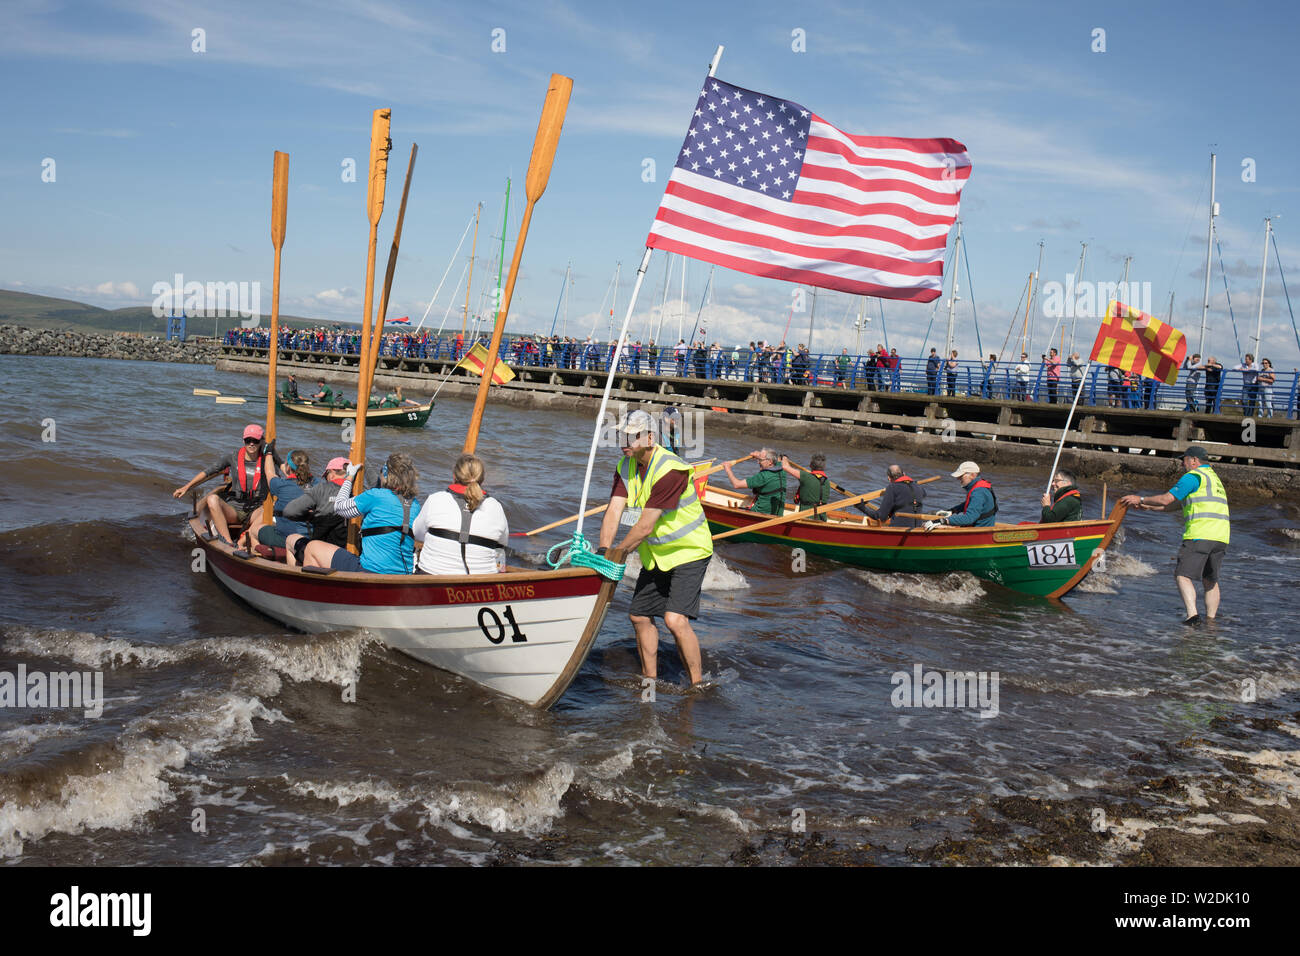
(337, 464)
(253, 431)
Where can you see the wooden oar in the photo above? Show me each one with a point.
(206, 391)
(599, 508)
(798, 515)
(909, 514)
(377, 335)
(279, 210)
(539, 173)
(380, 123)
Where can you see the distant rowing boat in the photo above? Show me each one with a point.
(409, 416)
(1048, 560)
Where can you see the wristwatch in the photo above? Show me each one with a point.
(1141, 500)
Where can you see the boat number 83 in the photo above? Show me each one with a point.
(494, 629)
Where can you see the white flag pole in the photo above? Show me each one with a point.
(618, 353)
(1060, 447)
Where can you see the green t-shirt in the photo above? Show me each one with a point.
(768, 487)
(328, 395)
(813, 491)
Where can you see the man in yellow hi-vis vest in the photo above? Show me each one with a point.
(653, 486)
(1204, 503)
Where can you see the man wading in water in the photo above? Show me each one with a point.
(671, 537)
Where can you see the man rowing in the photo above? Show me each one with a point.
(766, 488)
(979, 510)
(814, 485)
(251, 469)
(1064, 502)
(901, 494)
(672, 539)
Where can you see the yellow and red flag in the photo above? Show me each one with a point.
(476, 359)
(1131, 340)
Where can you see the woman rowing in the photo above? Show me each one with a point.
(251, 469)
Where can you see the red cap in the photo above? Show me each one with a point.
(253, 431)
(337, 464)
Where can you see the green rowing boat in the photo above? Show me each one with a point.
(407, 416)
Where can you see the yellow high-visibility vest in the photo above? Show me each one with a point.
(1206, 509)
(680, 535)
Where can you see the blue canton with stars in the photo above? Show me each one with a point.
(746, 139)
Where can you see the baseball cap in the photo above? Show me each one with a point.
(337, 464)
(1195, 451)
(966, 468)
(253, 431)
(635, 423)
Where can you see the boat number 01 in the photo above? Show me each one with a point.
(488, 620)
(1058, 554)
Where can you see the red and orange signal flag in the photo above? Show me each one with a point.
(1131, 340)
(477, 358)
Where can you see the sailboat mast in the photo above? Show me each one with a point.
(812, 313)
(1209, 242)
(1074, 319)
(474, 246)
(1263, 273)
(681, 315)
(618, 267)
(1031, 314)
(501, 256)
(952, 301)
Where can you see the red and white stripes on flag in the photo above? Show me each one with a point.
(766, 187)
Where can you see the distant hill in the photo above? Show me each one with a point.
(45, 312)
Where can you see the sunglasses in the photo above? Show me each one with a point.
(252, 441)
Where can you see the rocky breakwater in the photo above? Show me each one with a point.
(15, 340)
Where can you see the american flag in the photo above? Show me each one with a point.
(764, 186)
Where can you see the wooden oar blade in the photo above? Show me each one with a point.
(380, 124)
(206, 391)
(279, 197)
(548, 136)
(230, 400)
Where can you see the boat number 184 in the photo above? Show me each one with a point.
(1057, 554)
(494, 629)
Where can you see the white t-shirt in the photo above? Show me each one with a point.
(441, 555)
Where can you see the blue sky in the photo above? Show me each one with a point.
(163, 155)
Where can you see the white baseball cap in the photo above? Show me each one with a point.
(635, 423)
(966, 468)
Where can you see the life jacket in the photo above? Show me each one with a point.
(239, 486)
(404, 529)
(824, 495)
(771, 503)
(916, 499)
(1206, 509)
(463, 537)
(981, 483)
(679, 535)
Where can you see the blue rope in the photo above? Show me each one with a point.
(580, 555)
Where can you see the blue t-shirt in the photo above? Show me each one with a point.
(1185, 486)
(391, 553)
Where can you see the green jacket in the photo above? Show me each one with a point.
(1067, 505)
(768, 487)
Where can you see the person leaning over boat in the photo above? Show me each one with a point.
(324, 394)
(464, 529)
(387, 544)
(292, 483)
(1206, 531)
(251, 468)
(814, 485)
(979, 510)
(901, 494)
(1064, 503)
(315, 510)
(290, 393)
(767, 487)
(672, 539)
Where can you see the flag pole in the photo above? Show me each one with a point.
(1061, 446)
(618, 352)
